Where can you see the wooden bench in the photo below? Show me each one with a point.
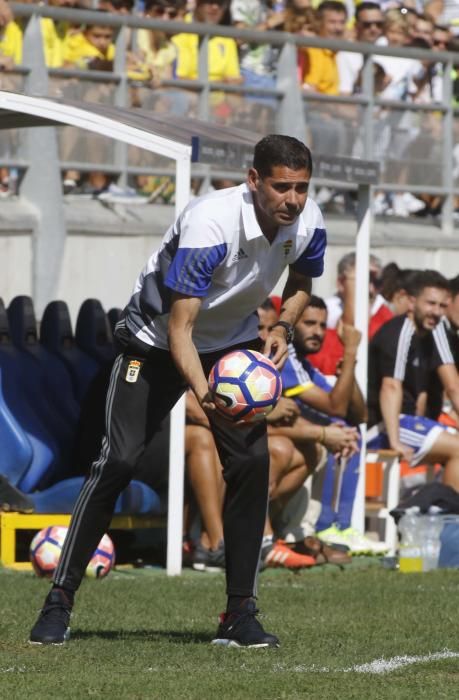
(10, 523)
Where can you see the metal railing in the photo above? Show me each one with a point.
(414, 142)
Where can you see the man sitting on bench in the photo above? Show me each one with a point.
(403, 362)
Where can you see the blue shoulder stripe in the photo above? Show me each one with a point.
(311, 262)
(191, 269)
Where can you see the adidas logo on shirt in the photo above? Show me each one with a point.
(240, 255)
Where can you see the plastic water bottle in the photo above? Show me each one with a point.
(410, 554)
(431, 529)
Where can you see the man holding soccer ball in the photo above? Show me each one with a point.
(194, 302)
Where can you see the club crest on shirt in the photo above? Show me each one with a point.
(420, 427)
(287, 246)
(133, 370)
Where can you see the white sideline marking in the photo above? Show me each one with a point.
(389, 665)
(378, 666)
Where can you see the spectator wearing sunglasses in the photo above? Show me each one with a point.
(369, 23)
(158, 51)
(441, 38)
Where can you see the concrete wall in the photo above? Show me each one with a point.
(107, 246)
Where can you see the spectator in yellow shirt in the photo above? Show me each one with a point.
(321, 69)
(10, 45)
(91, 48)
(53, 33)
(223, 60)
(10, 55)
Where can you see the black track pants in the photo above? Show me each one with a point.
(134, 411)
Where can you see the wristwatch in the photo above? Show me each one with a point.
(288, 328)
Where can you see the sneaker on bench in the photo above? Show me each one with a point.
(14, 500)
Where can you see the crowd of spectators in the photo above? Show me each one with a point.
(403, 140)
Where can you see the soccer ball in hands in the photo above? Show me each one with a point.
(103, 559)
(46, 547)
(245, 385)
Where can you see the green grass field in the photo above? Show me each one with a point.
(138, 634)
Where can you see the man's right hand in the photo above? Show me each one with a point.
(341, 439)
(349, 336)
(207, 403)
(194, 413)
(404, 452)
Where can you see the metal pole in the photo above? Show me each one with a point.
(290, 117)
(42, 185)
(447, 151)
(362, 271)
(177, 425)
(121, 100)
(368, 110)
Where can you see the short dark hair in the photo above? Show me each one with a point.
(347, 262)
(177, 4)
(119, 4)
(394, 279)
(454, 286)
(267, 305)
(278, 149)
(426, 278)
(364, 6)
(316, 302)
(331, 6)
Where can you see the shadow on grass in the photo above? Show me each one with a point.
(146, 635)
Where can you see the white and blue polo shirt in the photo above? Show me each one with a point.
(216, 250)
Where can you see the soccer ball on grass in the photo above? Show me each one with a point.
(46, 547)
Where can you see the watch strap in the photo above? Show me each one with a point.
(288, 327)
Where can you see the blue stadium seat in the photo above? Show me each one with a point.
(56, 335)
(31, 456)
(16, 449)
(48, 384)
(92, 332)
(18, 396)
(113, 316)
(136, 499)
(56, 377)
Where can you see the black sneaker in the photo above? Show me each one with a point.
(11, 499)
(242, 629)
(209, 559)
(52, 626)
